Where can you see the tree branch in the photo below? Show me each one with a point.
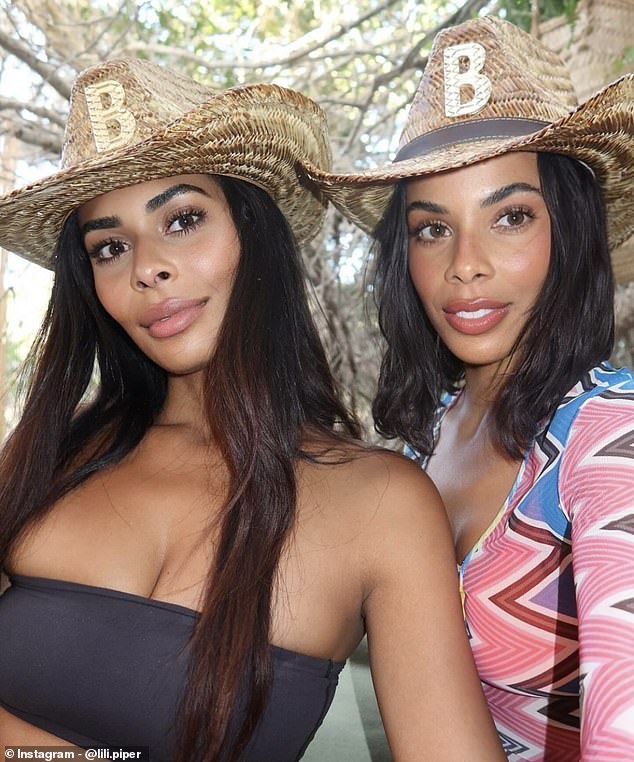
(9, 104)
(47, 71)
(300, 50)
(33, 135)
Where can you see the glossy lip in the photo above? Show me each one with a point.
(171, 316)
(475, 316)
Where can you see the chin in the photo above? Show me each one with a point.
(182, 363)
(479, 357)
(186, 370)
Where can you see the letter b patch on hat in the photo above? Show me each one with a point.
(462, 66)
(112, 123)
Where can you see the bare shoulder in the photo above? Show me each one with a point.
(373, 490)
(391, 475)
(407, 515)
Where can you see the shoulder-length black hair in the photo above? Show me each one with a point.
(267, 384)
(569, 330)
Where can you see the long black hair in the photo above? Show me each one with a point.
(569, 330)
(267, 385)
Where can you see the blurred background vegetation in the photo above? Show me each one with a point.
(361, 61)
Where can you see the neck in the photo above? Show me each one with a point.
(482, 384)
(184, 404)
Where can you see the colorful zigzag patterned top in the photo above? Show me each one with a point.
(549, 588)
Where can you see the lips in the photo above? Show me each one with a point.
(171, 317)
(476, 316)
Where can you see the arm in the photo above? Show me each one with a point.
(427, 688)
(597, 489)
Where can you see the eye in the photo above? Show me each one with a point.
(108, 251)
(431, 231)
(514, 218)
(185, 221)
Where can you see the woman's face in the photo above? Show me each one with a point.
(164, 255)
(479, 250)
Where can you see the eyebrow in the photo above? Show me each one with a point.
(426, 206)
(169, 193)
(494, 198)
(156, 202)
(508, 190)
(101, 223)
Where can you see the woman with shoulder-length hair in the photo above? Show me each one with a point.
(197, 541)
(493, 229)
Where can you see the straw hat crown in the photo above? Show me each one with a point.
(523, 79)
(131, 121)
(123, 103)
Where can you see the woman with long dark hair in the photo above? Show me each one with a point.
(493, 229)
(197, 540)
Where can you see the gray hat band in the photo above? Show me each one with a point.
(468, 131)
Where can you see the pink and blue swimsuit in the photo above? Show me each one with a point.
(549, 588)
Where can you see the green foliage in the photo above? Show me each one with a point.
(520, 11)
(624, 62)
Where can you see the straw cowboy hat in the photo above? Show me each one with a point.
(131, 121)
(489, 88)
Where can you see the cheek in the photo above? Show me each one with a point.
(216, 262)
(222, 274)
(423, 277)
(102, 293)
(530, 267)
(107, 295)
(543, 244)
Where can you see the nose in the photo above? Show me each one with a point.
(150, 268)
(469, 260)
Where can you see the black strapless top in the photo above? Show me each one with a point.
(99, 667)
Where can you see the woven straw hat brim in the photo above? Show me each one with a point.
(257, 133)
(600, 133)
